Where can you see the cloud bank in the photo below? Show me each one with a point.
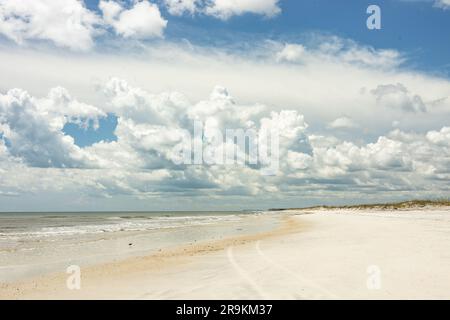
(36, 156)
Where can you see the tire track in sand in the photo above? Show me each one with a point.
(245, 275)
(312, 289)
(318, 291)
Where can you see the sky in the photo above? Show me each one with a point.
(96, 98)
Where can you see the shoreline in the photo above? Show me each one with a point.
(315, 254)
(34, 287)
(31, 246)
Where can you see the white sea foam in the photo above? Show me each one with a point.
(118, 224)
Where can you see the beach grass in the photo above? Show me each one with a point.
(402, 205)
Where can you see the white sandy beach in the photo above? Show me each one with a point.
(321, 254)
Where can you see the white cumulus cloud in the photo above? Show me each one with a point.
(33, 127)
(36, 156)
(143, 20)
(67, 23)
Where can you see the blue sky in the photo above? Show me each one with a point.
(414, 27)
(89, 135)
(96, 97)
(411, 26)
